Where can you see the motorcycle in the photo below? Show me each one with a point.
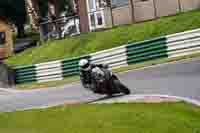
(105, 82)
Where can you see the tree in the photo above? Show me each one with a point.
(65, 6)
(43, 7)
(15, 12)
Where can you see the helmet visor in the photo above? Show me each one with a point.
(86, 67)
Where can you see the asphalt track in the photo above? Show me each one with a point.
(178, 79)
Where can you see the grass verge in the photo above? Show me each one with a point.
(96, 41)
(35, 85)
(115, 118)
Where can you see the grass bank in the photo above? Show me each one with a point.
(96, 41)
(115, 118)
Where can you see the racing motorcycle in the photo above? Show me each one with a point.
(105, 82)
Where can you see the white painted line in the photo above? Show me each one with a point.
(10, 90)
(124, 99)
(132, 98)
(49, 88)
(44, 106)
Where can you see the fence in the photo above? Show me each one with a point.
(144, 10)
(59, 28)
(170, 46)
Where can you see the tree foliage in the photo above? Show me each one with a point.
(15, 12)
(64, 6)
(43, 7)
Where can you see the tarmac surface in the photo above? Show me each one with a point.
(180, 79)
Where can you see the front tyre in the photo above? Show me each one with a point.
(125, 90)
(122, 87)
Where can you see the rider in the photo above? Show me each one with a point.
(86, 73)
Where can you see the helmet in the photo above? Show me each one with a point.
(84, 64)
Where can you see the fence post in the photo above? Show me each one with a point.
(132, 11)
(179, 4)
(155, 9)
(111, 12)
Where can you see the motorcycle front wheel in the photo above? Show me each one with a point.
(122, 88)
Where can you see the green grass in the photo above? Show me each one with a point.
(92, 42)
(35, 85)
(116, 118)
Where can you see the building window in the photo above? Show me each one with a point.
(99, 18)
(118, 3)
(101, 3)
(94, 5)
(91, 4)
(2, 38)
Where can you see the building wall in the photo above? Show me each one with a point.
(166, 7)
(6, 49)
(187, 5)
(138, 11)
(52, 8)
(122, 15)
(143, 10)
(84, 24)
(108, 17)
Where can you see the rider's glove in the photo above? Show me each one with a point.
(87, 86)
